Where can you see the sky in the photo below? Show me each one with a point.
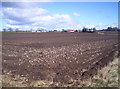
(58, 15)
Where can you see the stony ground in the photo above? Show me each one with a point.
(56, 59)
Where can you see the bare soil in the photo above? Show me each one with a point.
(57, 57)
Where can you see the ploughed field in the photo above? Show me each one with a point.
(57, 57)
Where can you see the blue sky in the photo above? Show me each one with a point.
(90, 12)
(59, 15)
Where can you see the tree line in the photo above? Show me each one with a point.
(83, 30)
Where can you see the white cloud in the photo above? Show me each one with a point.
(115, 25)
(19, 16)
(27, 0)
(1, 14)
(30, 15)
(90, 26)
(34, 16)
(101, 26)
(79, 26)
(76, 14)
(54, 21)
(12, 26)
(22, 16)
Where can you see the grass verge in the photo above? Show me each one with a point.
(106, 77)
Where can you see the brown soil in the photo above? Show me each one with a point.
(57, 57)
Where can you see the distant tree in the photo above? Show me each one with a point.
(55, 30)
(4, 29)
(94, 29)
(90, 30)
(85, 29)
(16, 29)
(109, 29)
(115, 29)
(76, 30)
(64, 30)
(10, 29)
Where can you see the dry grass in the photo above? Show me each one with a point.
(18, 81)
(106, 77)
